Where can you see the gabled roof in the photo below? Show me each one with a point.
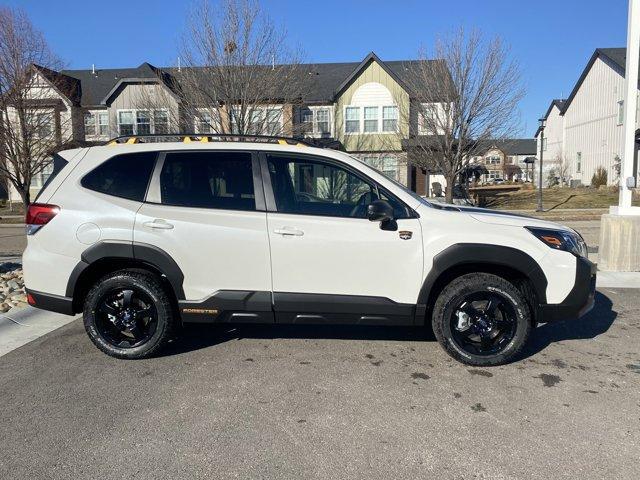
(614, 57)
(323, 80)
(512, 146)
(97, 86)
(65, 85)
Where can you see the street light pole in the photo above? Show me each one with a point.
(542, 125)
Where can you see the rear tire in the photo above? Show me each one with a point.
(128, 314)
(482, 320)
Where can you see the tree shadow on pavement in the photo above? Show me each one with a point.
(594, 323)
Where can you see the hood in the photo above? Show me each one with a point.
(497, 217)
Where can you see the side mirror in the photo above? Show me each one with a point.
(380, 211)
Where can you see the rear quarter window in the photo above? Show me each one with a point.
(125, 176)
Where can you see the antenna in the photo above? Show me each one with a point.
(273, 62)
(179, 68)
(93, 68)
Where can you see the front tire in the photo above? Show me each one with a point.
(127, 314)
(482, 320)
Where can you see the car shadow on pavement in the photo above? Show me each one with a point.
(594, 323)
(195, 336)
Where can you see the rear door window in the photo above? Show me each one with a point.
(125, 176)
(221, 180)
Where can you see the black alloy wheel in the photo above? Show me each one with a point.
(126, 317)
(130, 314)
(483, 324)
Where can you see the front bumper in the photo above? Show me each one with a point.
(50, 302)
(580, 300)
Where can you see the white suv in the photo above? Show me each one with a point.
(143, 236)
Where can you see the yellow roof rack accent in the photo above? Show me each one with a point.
(195, 137)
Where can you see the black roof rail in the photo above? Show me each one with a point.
(205, 138)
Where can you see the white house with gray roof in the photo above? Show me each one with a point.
(585, 131)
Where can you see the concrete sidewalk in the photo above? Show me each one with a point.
(21, 326)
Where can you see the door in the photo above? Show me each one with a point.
(205, 209)
(329, 262)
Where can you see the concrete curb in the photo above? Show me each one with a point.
(618, 279)
(21, 326)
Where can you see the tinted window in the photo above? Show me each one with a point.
(209, 180)
(125, 176)
(314, 187)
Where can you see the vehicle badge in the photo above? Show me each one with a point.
(405, 234)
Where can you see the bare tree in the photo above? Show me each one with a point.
(562, 167)
(32, 115)
(462, 101)
(237, 74)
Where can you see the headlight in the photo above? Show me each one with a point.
(561, 240)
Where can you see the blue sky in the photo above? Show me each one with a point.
(552, 39)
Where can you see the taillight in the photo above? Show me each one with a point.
(38, 215)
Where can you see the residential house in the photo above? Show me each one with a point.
(357, 107)
(505, 159)
(585, 131)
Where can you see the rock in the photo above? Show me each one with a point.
(13, 285)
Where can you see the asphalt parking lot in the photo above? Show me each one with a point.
(328, 402)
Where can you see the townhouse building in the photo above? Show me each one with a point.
(508, 159)
(363, 108)
(585, 130)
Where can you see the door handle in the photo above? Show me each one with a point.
(289, 231)
(159, 224)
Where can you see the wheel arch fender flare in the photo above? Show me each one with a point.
(131, 251)
(498, 257)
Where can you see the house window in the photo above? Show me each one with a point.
(306, 120)
(143, 122)
(352, 120)
(579, 162)
(492, 160)
(96, 123)
(370, 119)
(204, 123)
(374, 119)
(389, 119)
(41, 125)
(314, 121)
(160, 121)
(126, 124)
(273, 121)
(103, 123)
(322, 120)
(89, 124)
(620, 112)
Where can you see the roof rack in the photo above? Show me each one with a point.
(198, 137)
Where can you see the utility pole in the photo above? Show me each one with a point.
(542, 125)
(627, 173)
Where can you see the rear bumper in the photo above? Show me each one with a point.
(579, 301)
(50, 302)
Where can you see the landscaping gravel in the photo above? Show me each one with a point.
(12, 292)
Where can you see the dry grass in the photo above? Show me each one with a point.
(557, 198)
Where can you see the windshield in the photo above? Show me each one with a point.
(395, 182)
